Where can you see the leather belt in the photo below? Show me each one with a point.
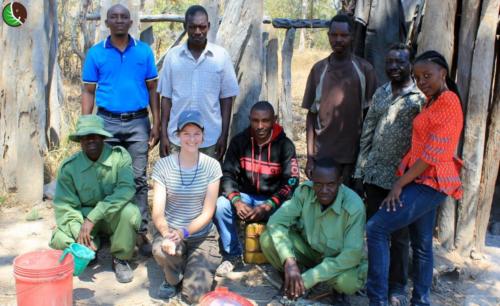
(124, 116)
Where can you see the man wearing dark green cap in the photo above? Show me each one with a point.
(94, 195)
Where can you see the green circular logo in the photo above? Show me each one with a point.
(14, 14)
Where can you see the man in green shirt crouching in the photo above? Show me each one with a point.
(321, 230)
(94, 195)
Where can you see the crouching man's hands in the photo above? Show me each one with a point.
(260, 213)
(84, 236)
(294, 284)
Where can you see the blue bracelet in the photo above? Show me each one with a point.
(185, 233)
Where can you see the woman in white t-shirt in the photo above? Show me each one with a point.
(186, 185)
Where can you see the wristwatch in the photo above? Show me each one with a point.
(185, 233)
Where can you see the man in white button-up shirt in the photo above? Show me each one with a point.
(197, 75)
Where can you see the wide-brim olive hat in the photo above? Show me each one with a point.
(87, 125)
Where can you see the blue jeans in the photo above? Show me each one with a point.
(225, 220)
(418, 212)
(133, 135)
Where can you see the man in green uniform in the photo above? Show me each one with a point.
(321, 230)
(94, 194)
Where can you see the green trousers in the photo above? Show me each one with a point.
(348, 282)
(121, 228)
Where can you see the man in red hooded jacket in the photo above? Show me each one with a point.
(260, 172)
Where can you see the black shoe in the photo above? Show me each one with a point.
(123, 272)
(340, 299)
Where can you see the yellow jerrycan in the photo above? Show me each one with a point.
(253, 253)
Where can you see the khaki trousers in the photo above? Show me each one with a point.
(195, 267)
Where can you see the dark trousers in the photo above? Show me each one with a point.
(133, 135)
(400, 241)
(418, 212)
(347, 172)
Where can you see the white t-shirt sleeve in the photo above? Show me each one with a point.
(160, 172)
(214, 170)
(165, 82)
(229, 83)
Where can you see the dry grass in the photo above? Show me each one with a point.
(71, 111)
(302, 63)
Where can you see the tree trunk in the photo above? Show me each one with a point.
(241, 34)
(25, 83)
(285, 110)
(467, 36)
(475, 124)
(491, 164)
(438, 28)
(213, 8)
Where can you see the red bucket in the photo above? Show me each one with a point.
(42, 281)
(221, 296)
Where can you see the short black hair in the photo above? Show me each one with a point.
(117, 5)
(343, 18)
(328, 163)
(193, 10)
(263, 106)
(400, 47)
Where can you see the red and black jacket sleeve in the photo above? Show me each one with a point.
(290, 174)
(231, 170)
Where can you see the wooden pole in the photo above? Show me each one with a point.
(282, 23)
(285, 110)
(467, 36)
(438, 28)
(475, 124)
(491, 164)
(212, 7)
(263, 91)
(446, 223)
(272, 82)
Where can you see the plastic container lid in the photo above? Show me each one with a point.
(221, 296)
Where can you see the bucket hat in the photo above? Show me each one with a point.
(87, 125)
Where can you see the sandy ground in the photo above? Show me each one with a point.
(97, 285)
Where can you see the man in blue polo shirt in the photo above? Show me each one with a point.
(120, 75)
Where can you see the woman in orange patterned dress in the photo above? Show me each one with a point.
(428, 174)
